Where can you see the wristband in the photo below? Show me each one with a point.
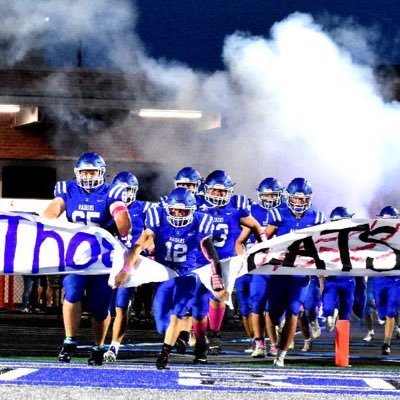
(118, 209)
(265, 236)
(216, 282)
(127, 269)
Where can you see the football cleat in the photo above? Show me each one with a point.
(315, 329)
(259, 352)
(110, 355)
(307, 345)
(96, 355)
(66, 352)
(273, 351)
(215, 345)
(200, 353)
(370, 336)
(279, 362)
(180, 346)
(251, 348)
(385, 349)
(162, 361)
(330, 323)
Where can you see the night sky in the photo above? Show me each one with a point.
(193, 31)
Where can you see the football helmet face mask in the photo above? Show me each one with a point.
(131, 183)
(180, 206)
(298, 195)
(270, 193)
(89, 171)
(188, 178)
(389, 212)
(218, 188)
(340, 213)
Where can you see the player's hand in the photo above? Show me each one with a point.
(221, 295)
(120, 278)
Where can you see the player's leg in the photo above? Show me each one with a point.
(74, 287)
(99, 298)
(200, 308)
(122, 304)
(185, 287)
(242, 286)
(330, 301)
(258, 300)
(370, 310)
(296, 291)
(392, 307)
(216, 314)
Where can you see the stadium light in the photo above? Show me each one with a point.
(173, 114)
(9, 108)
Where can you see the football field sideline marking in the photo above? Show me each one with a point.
(215, 378)
(13, 374)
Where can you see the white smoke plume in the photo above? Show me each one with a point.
(301, 102)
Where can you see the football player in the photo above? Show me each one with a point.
(178, 233)
(339, 290)
(123, 297)
(88, 201)
(252, 290)
(189, 178)
(287, 293)
(229, 213)
(387, 292)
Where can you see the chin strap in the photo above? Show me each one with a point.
(207, 246)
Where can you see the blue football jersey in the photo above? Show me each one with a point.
(226, 223)
(89, 208)
(137, 212)
(283, 218)
(178, 248)
(261, 215)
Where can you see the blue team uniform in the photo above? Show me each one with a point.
(251, 290)
(360, 296)
(178, 249)
(137, 212)
(338, 293)
(89, 208)
(288, 293)
(387, 295)
(226, 222)
(226, 229)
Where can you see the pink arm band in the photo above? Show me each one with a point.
(265, 236)
(118, 209)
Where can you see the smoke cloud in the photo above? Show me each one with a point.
(301, 102)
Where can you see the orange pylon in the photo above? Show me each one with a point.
(342, 343)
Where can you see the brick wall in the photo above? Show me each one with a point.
(22, 144)
(33, 145)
